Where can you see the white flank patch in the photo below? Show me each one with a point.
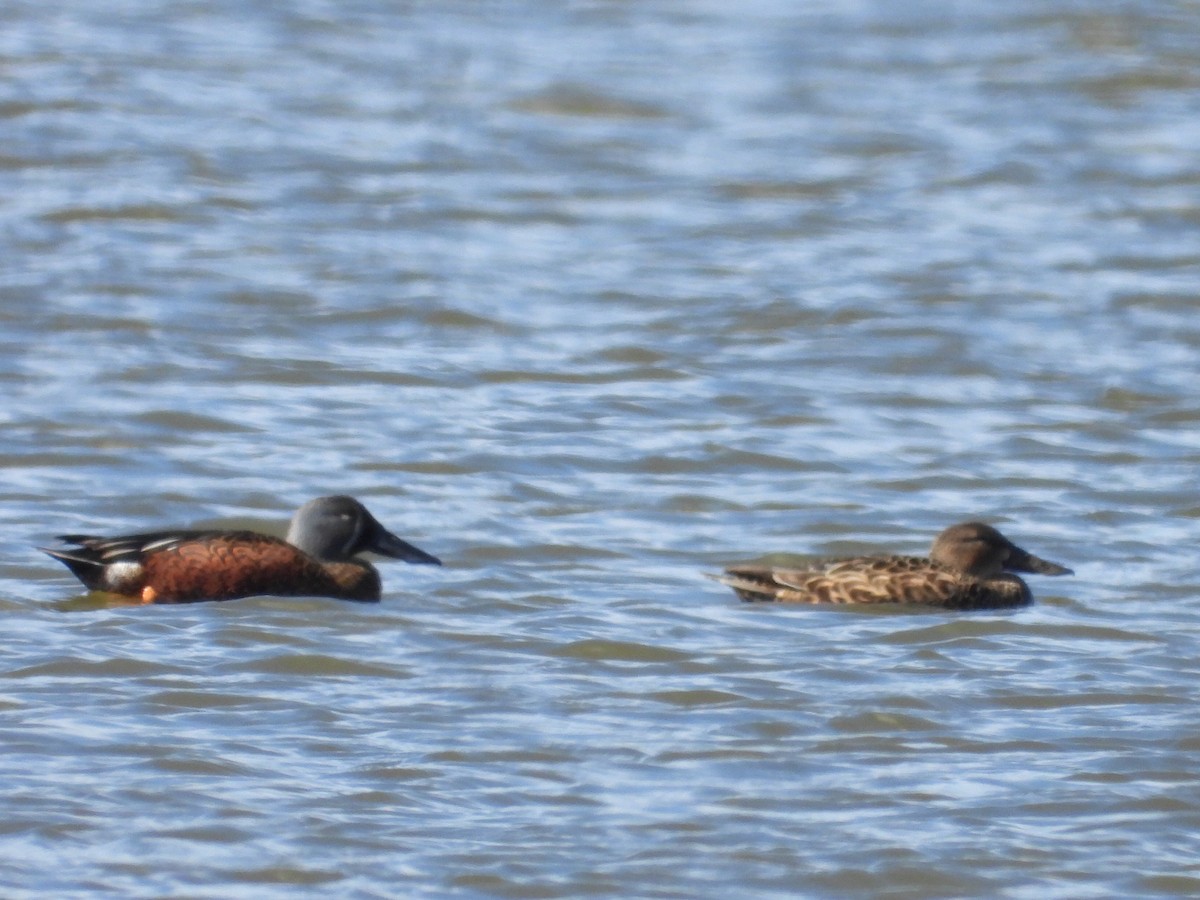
(116, 574)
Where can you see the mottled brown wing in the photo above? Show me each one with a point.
(861, 580)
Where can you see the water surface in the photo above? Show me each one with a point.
(587, 300)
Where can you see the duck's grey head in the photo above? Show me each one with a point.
(338, 528)
(981, 551)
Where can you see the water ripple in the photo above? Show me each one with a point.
(590, 301)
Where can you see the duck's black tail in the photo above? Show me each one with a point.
(84, 564)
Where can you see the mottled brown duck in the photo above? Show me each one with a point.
(971, 566)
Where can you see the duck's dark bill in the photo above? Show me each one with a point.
(1021, 561)
(388, 544)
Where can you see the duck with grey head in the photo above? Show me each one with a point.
(319, 558)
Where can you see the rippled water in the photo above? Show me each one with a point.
(588, 299)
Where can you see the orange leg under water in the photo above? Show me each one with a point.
(149, 594)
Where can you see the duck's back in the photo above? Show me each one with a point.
(877, 579)
(228, 565)
(186, 566)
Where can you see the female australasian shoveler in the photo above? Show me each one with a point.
(316, 560)
(969, 567)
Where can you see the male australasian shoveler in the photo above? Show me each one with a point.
(316, 560)
(969, 567)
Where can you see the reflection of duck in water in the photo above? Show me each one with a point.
(969, 567)
(316, 560)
